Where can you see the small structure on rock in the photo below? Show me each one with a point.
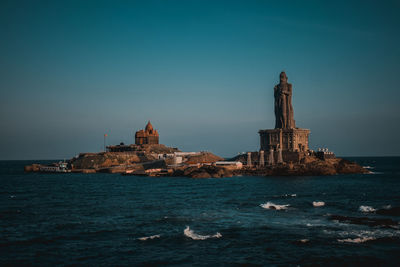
(148, 136)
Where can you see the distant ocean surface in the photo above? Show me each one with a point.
(114, 220)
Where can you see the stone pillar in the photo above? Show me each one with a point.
(271, 160)
(261, 158)
(280, 159)
(249, 159)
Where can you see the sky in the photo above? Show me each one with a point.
(202, 72)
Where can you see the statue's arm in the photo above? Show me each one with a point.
(290, 88)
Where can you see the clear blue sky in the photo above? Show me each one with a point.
(203, 72)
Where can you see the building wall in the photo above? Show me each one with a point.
(143, 138)
(293, 140)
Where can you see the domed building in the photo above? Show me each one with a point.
(148, 136)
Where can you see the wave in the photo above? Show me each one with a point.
(368, 167)
(284, 196)
(370, 172)
(272, 206)
(356, 240)
(318, 203)
(189, 233)
(148, 237)
(361, 236)
(382, 222)
(289, 195)
(367, 209)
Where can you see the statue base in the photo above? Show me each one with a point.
(293, 142)
(294, 139)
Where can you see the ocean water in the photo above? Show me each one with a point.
(114, 220)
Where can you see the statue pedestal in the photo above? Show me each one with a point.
(293, 142)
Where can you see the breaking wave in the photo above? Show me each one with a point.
(148, 237)
(371, 172)
(368, 167)
(318, 203)
(289, 195)
(272, 206)
(189, 233)
(367, 209)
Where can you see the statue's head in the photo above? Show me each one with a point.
(283, 77)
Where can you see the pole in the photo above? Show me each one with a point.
(105, 135)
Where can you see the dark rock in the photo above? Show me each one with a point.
(28, 168)
(395, 211)
(347, 167)
(203, 172)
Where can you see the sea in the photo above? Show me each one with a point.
(114, 220)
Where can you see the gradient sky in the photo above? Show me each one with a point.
(203, 72)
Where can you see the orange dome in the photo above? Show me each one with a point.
(149, 127)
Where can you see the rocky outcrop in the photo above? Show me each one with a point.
(344, 166)
(206, 171)
(315, 167)
(32, 168)
(119, 160)
(103, 160)
(203, 157)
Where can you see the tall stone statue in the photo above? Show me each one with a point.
(284, 118)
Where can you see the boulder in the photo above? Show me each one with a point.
(204, 157)
(28, 168)
(201, 174)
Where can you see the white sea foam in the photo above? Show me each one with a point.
(189, 233)
(289, 195)
(361, 236)
(148, 237)
(304, 240)
(387, 207)
(318, 203)
(272, 206)
(369, 167)
(356, 240)
(367, 209)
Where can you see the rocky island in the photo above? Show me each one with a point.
(284, 151)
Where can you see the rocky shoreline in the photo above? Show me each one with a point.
(315, 168)
(200, 166)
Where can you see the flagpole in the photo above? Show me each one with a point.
(105, 135)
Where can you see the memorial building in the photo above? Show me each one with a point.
(148, 136)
